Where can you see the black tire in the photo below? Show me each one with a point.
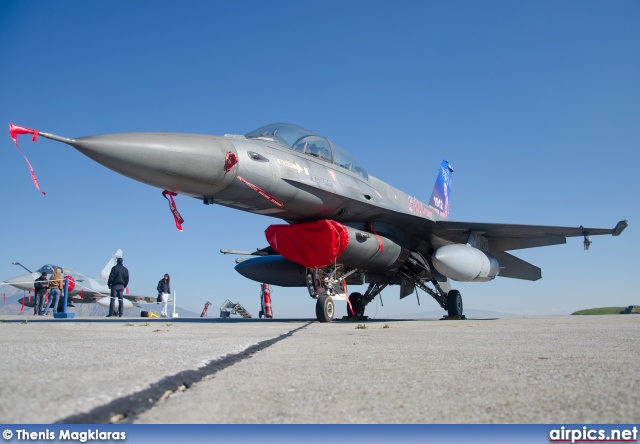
(357, 304)
(454, 303)
(260, 314)
(325, 308)
(144, 314)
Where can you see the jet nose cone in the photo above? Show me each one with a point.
(189, 164)
(24, 282)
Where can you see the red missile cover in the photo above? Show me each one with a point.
(314, 244)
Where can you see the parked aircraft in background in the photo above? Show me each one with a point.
(81, 288)
(344, 225)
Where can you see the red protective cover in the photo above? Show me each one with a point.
(311, 244)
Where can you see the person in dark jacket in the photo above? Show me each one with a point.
(41, 285)
(118, 281)
(164, 291)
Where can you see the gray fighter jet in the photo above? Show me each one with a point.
(343, 226)
(80, 288)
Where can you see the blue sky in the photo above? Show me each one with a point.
(535, 104)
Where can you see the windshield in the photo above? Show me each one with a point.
(49, 268)
(307, 142)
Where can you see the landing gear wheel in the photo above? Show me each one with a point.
(260, 314)
(324, 308)
(357, 306)
(454, 303)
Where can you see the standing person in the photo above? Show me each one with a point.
(164, 290)
(41, 285)
(55, 287)
(118, 281)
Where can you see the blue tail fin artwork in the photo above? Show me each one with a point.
(441, 190)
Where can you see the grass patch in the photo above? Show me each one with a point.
(600, 311)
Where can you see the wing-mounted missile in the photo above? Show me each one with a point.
(464, 263)
(267, 251)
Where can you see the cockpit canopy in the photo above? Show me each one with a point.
(49, 269)
(307, 142)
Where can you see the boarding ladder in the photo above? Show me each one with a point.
(229, 308)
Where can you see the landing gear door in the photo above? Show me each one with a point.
(407, 288)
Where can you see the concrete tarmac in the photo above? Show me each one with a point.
(561, 369)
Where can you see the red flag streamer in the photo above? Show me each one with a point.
(174, 210)
(22, 307)
(380, 246)
(344, 287)
(260, 191)
(14, 130)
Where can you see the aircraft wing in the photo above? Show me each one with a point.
(501, 237)
(89, 296)
(504, 237)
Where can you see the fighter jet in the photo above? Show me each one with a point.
(80, 288)
(343, 225)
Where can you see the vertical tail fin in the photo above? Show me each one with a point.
(107, 268)
(442, 190)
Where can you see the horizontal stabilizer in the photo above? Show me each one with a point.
(516, 268)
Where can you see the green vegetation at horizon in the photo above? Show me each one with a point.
(600, 311)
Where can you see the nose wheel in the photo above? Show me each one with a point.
(325, 308)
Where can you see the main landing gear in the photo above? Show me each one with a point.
(416, 273)
(454, 303)
(325, 307)
(356, 305)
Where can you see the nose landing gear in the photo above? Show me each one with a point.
(325, 308)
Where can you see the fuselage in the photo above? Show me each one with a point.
(309, 176)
